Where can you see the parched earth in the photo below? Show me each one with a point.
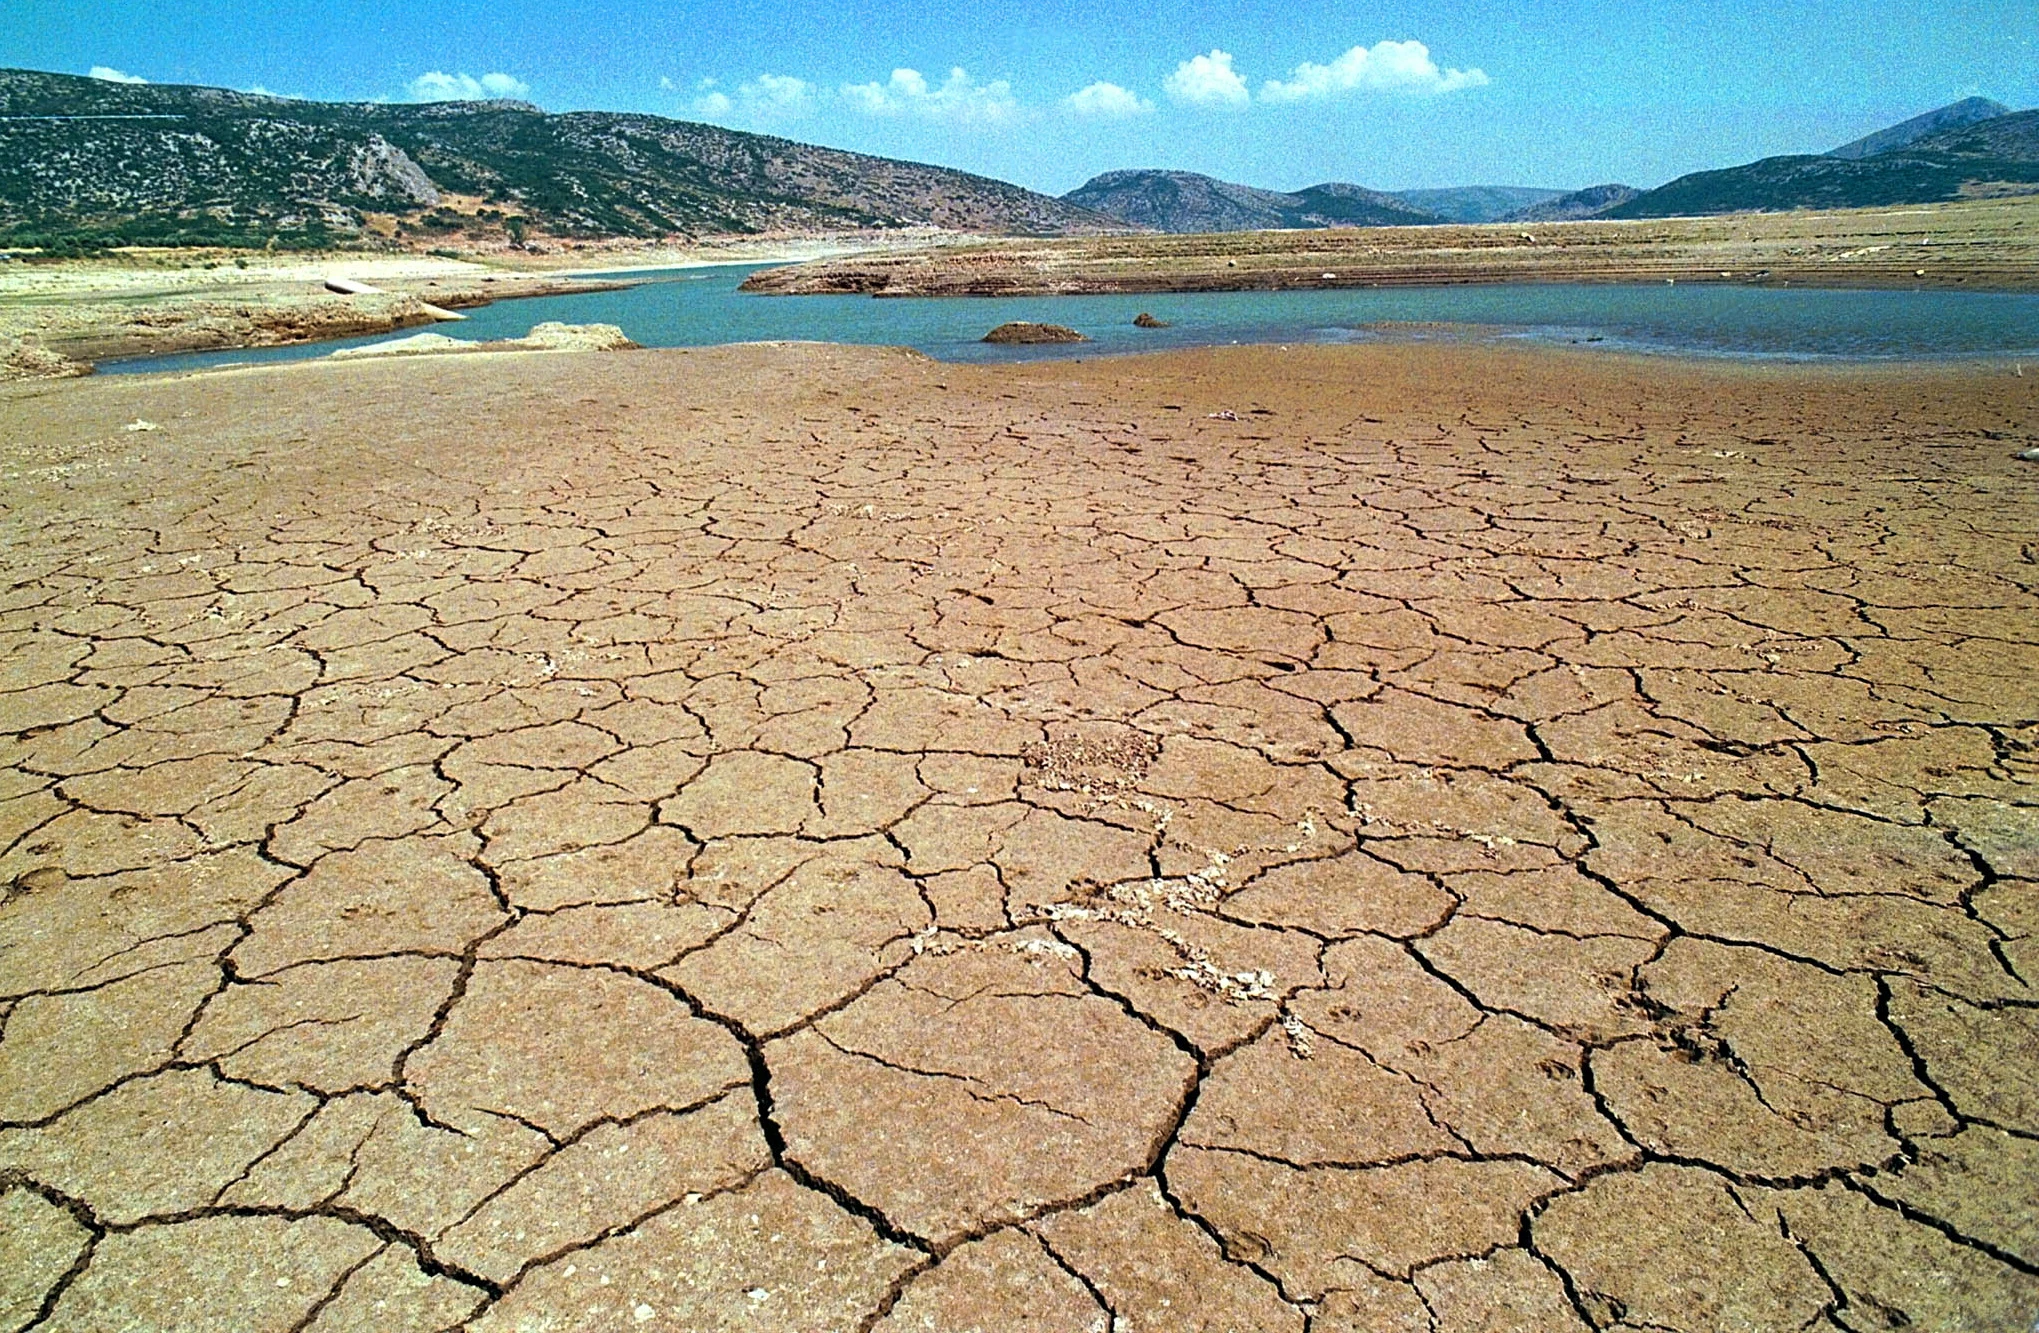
(796, 838)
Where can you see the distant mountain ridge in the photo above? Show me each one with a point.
(1185, 202)
(160, 162)
(95, 162)
(1967, 111)
(1478, 203)
(1590, 202)
(1999, 155)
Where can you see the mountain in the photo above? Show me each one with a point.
(140, 162)
(1477, 203)
(1995, 156)
(1590, 202)
(1182, 201)
(2008, 138)
(1953, 116)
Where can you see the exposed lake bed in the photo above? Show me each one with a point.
(1359, 807)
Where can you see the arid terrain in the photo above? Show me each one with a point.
(805, 838)
(1989, 243)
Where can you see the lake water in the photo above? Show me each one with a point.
(697, 307)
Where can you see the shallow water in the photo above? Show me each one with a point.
(697, 307)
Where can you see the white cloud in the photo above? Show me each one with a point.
(767, 99)
(666, 83)
(1107, 101)
(1208, 81)
(958, 99)
(111, 75)
(1395, 67)
(438, 86)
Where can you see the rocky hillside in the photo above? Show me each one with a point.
(1184, 202)
(1989, 157)
(139, 162)
(1590, 202)
(1477, 203)
(1967, 111)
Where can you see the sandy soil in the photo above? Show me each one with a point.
(1984, 244)
(798, 838)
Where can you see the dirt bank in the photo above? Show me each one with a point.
(154, 303)
(1988, 244)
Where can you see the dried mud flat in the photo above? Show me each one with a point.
(801, 838)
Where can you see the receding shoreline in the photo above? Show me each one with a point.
(61, 319)
(1976, 245)
(64, 318)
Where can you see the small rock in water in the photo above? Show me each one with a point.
(1143, 320)
(2029, 455)
(556, 336)
(1020, 331)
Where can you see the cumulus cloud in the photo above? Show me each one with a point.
(959, 99)
(1107, 101)
(112, 75)
(1208, 81)
(1392, 67)
(438, 86)
(767, 99)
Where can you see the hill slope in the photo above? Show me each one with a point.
(138, 160)
(1477, 203)
(1185, 202)
(1591, 202)
(1995, 156)
(1952, 116)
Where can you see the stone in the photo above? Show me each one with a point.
(1020, 331)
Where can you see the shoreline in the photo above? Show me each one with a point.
(1977, 245)
(1471, 337)
(1624, 360)
(60, 321)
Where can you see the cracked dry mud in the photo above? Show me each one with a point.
(805, 838)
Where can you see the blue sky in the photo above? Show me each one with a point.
(1049, 92)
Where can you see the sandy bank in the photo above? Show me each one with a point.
(1986, 244)
(149, 303)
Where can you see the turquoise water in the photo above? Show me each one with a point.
(697, 307)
